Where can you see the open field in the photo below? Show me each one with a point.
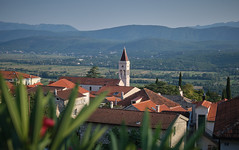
(214, 81)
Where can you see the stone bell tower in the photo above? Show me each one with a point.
(124, 69)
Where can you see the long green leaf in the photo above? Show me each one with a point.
(145, 137)
(96, 136)
(11, 106)
(156, 137)
(37, 117)
(65, 122)
(164, 143)
(85, 113)
(21, 97)
(190, 143)
(114, 145)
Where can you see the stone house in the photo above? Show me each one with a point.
(117, 93)
(133, 120)
(147, 99)
(13, 76)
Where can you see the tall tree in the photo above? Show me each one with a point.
(228, 89)
(157, 80)
(224, 94)
(180, 80)
(93, 72)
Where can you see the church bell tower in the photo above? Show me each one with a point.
(124, 68)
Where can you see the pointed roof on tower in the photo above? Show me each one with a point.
(124, 56)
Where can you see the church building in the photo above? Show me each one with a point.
(124, 69)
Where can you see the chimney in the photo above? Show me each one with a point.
(111, 105)
(115, 101)
(122, 95)
(157, 108)
(55, 92)
(180, 91)
(204, 97)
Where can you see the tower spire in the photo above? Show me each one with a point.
(124, 56)
(124, 69)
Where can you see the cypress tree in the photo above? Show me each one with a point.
(224, 94)
(157, 80)
(228, 89)
(180, 80)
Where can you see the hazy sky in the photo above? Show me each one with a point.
(98, 14)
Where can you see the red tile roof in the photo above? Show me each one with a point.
(178, 108)
(212, 112)
(63, 83)
(34, 85)
(204, 103)
(115, 90)
(113, 98)
(92, 81)
(10, 86)
(131, 118)
(82, 90)
(68, 84)
(227, 119)
(124, 56)
(65, 94)
(147, 94)
(15, 75)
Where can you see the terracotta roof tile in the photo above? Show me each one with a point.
(16, 75)
(177, 108)
(204, 103)
(65, 94)
(227, 119)
(92, 81)
(131, 118)
(112, 99)
(147, 94)
(34, 85)
(63, 83)
(115, 90)
(212, 112)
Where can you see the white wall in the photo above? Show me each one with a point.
(209, 127)
(204, 143)
(180, 127)
(200, 110)
(134, 90)
(229, 144)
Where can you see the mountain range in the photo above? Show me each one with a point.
(146, 39)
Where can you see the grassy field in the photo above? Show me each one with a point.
(210, 80)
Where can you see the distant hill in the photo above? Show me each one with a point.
(137, 48)
(228, 24)
(133, 32)
(46, 27)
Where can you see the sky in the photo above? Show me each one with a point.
(100, 14)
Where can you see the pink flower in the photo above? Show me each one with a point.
(47, 123)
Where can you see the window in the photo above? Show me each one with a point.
(124, 72)
(75, 112)
(57, 99)
(90, 88)
(174, 130)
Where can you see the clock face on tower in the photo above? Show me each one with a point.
(122, 66)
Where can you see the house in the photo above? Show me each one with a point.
(147, 99)
(13, 76)
(226, 127)
(70, 85)
(205, 114)
(133, 120)
(94, 84)
(117, 93)
(186, 103)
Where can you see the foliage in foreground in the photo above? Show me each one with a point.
(21, 129)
